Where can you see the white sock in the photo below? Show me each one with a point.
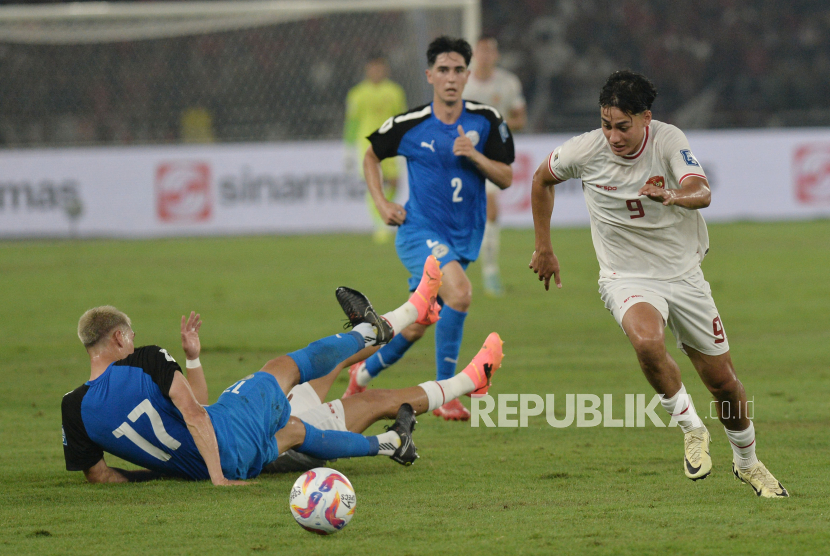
(457, 386)
(368, 332)
(435, 394)
(363, 376)
(388, 442)
(402, 317)
(743, 446)
(682, 410)
(490, 248)
(442, 391)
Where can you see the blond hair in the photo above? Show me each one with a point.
(98, 322)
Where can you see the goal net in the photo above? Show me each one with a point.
(169, 72)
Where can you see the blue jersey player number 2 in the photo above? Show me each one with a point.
(451, 146)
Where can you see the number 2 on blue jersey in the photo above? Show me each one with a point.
(456, 195)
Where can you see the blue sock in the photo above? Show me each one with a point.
(321, 357)
(337, 444)
(387, 355)
(448, 333)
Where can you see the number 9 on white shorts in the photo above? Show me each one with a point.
(686, 305)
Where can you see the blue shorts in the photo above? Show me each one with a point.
(414, 248)
(246, 417)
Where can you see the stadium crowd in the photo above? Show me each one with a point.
(717, 64)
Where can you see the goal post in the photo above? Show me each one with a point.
(105, 20)
(101, 73)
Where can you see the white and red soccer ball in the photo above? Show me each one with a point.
(322, 501)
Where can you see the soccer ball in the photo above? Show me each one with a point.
(322, 501)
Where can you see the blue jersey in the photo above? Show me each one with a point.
(127, 412)
(446, 192)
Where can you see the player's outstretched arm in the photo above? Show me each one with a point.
(199, 424)
(192, 348)
(543, 261)
(497, 172)
(391, 213)
(694, 193)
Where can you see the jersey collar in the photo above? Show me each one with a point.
(456, 122)
(642, 147)
(94, 380)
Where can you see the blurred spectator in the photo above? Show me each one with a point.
(716, 63)
(368, 105)
(197, 125)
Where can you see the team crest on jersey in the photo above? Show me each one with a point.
(689, 158)
(474, 136)
(503, 132)
(657, 181)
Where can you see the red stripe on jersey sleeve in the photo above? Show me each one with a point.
(550, 168)
(680, 181)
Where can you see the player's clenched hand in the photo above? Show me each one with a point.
(463, 146)
(665, 196)
(190, 335)
(392, 214)
(545, 264)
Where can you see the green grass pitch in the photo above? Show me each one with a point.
(533, 490)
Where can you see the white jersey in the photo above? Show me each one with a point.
(502, 90)
(635, 237)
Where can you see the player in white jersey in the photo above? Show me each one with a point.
(643, 188)
(501, 89)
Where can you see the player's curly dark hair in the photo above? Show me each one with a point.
(631, 92)
(448, 44)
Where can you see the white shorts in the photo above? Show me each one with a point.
(306, 405)
(491, 188)
(686, 305)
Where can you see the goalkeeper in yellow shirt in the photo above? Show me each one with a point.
(368, 104)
